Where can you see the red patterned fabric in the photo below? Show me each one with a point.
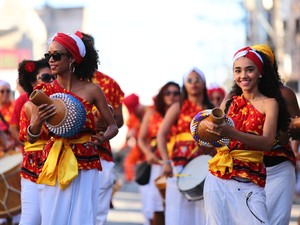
(32, 160)
(19, 102)
(249, 120)
(6, 111)
(185, 150)
(88, 158)
(154, 124)
(114, 96)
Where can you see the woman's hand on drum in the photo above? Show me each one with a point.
(222, 129)
(44, 112)
(168, 170)
(96, 140)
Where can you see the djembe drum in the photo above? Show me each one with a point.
(70, 113)
(205, 138)
(10, 184)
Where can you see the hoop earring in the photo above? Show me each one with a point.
(72, 67)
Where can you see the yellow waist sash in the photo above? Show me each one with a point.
(224, 158)
(36, 146)
(61, 163)
(184, 137)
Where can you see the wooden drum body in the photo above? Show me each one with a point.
(10, 185)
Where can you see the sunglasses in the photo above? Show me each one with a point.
(56, 56)
(174, 93)
(5, 91)
(195, 80)
(46, 77)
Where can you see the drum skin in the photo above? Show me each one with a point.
(191, 180)
(10, 185)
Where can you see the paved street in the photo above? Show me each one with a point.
(127, 209)
(127, 206)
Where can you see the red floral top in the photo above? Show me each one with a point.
(19, 102)
(6, 111)
(87, 157)
(114, 96)
(153, 126)
(185, 148)
(32, 160)
(249, 120)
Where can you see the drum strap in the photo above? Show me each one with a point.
(224, 158)
(61, 163)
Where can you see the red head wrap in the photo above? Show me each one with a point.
(73, 44)
(252, 55)
(131, 102)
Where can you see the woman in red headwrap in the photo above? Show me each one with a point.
(234, 188)
(69, 180)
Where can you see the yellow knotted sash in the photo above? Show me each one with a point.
(36, 146)
(224, 158)
(61, 163)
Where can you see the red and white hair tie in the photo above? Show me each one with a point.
(73, 44)
(252, 55)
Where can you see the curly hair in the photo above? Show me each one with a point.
(159, 102)
(86, 69)
(269, 85)
(27, 72)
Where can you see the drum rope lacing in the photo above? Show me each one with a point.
(3, 203)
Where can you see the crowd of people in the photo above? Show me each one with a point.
(68, 166)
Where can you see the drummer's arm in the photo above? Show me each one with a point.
(143, 142)
(164, 129)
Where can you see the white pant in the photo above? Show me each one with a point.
(280, 189)
(235, 203)
(31, 214)
(107, 179)
(179, 210)
(150, 196)
(76, 205)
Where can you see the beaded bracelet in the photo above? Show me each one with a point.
(32, 135)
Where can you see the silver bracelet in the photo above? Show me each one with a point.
(166, 161)
(31, 134)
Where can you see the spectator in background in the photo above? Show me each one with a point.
(6, 111)
(136, 112)
(216, 94)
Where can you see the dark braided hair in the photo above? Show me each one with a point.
(269, 86)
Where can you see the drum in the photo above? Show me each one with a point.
(161, 183)
(10, 185)
(191, 179)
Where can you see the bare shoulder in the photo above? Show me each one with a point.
(269, 104)
(287, 92)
